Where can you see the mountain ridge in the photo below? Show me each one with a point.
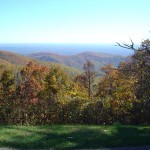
(9, 60)
(77, 60)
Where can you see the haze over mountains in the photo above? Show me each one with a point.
(65, 49)
(71, 55)
(77, 61)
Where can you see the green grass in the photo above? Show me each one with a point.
(73, 137)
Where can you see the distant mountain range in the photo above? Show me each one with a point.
(64, 49)
(77, 61)
(15, 61)
(71, 64)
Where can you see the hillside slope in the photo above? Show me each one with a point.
(14, 58)
(10, 60)
(77, 61)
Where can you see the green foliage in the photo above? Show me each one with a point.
(57, 83)
(7, 90)
(71, 71)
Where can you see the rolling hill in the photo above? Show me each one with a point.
(77, 61)
(14, 61)
(14, 58)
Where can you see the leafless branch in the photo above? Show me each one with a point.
(127, 46)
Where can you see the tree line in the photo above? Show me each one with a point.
(38, 95)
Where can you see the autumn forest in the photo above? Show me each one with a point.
(36, 94)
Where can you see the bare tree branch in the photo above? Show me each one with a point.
(127, 46)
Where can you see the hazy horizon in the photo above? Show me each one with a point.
(65, 49)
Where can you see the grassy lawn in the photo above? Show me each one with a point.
(73, 136)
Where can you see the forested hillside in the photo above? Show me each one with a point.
(76, 61)
(14, 58)
(10, 60)
(39, 94)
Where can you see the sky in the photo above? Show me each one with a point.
(74, 21)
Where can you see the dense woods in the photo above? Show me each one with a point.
(36, 94)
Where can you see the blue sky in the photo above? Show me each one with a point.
(73, 21)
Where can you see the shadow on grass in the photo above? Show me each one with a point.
(73, 137)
